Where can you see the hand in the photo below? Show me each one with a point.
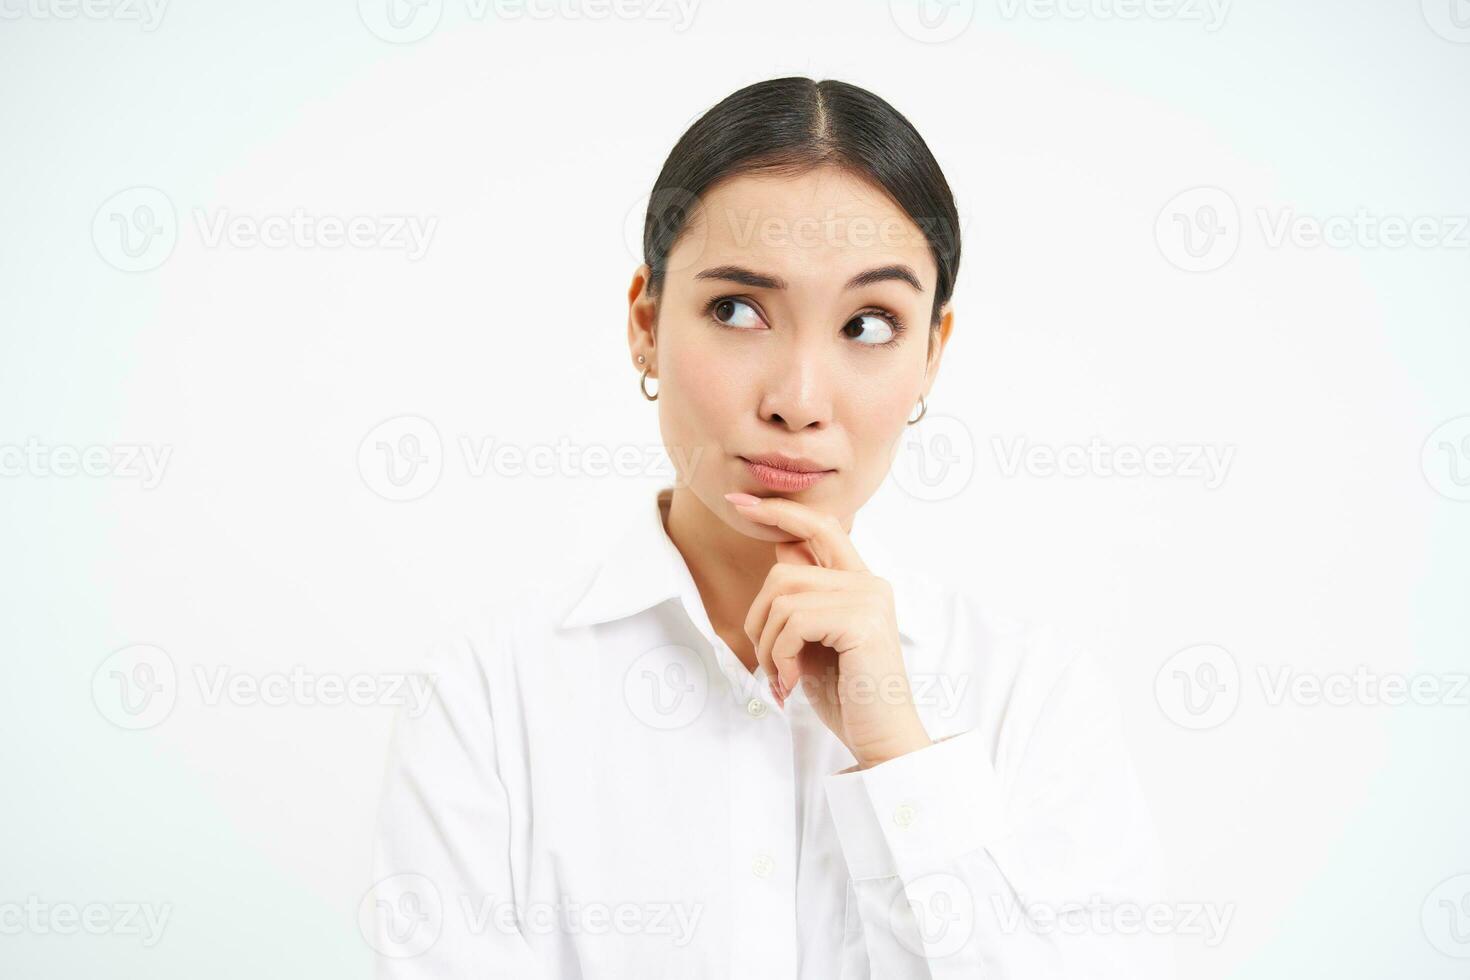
(826, 623)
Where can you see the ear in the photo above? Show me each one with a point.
(642, 320)
(937, 343)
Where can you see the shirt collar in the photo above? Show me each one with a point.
(643, 568)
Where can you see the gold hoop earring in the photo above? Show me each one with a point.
(923, 407)
(643, 387)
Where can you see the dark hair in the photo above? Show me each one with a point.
(793, 125)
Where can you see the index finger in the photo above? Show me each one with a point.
(822, 532)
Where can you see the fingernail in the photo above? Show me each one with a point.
(742, 499)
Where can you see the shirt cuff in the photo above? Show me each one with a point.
(915, 813)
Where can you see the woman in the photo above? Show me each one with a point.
(745, 743)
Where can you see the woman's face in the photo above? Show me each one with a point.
(794, 321)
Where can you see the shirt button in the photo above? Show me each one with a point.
(904, 815)
(755, 707)
(762, 866)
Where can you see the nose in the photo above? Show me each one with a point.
(798, 388)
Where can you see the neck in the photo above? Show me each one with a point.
(728, 567)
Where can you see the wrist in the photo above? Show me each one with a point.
(913, 738)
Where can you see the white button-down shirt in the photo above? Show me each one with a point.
(600, 789)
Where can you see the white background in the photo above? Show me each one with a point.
(1338, 536)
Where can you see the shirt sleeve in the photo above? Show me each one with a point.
(441, 861)
(1047, 869)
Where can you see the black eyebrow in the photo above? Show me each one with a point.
(900, 273)
(757, 280)
(734, 273)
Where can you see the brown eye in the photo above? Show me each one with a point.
(735, 313)
(870, 328)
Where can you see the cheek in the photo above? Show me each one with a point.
(700, 399)
(701, 383)
(878, 416)
(876, 423)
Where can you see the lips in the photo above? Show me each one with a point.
(792, 464)
(785, 474)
